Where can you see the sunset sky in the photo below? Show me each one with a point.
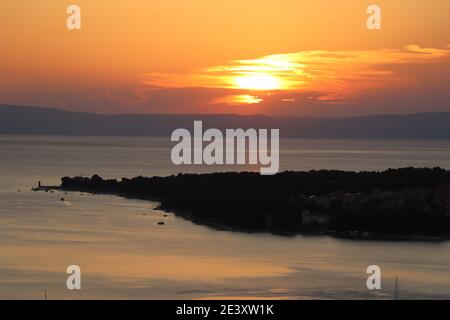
(283, 57)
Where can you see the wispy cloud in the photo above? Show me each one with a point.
(336, 75)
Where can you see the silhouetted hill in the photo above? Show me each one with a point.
(46, 121)
(408, 202)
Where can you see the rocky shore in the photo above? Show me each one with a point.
(408, 203)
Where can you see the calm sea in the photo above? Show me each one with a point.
(124, 254)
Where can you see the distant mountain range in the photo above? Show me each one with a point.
(48, 121)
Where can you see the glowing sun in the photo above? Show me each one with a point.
(257, 82)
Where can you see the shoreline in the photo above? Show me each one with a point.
(216, 225)
(343, 236)
(411, 204)
(360, 236)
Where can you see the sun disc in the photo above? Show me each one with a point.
(258, 82)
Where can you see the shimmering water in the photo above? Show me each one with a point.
(124, 254)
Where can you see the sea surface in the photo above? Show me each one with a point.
(124, 254)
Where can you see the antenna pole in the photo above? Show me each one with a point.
(396, 288)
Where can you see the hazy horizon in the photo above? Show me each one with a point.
(58, 108)
(35, 120)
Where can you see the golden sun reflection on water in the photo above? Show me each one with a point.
(56, 258)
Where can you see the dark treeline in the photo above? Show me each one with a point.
(409, 201)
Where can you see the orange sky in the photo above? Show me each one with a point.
(284, 57)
